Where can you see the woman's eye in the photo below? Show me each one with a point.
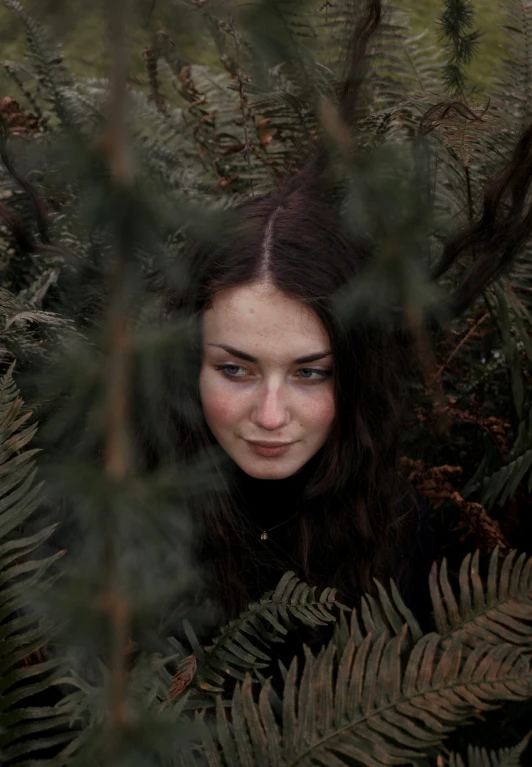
(228, 370)
(320, 374)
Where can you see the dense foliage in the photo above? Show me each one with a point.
(126, 182)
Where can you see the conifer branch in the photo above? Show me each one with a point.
(116, 149)
(460, 41)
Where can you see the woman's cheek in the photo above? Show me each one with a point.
(321, 412)
(219, 407)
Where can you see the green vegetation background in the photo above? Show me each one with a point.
(79, 27)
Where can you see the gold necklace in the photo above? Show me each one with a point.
(264, 534)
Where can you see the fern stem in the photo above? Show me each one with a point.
(470, 206)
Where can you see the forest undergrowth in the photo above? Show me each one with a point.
(104, 181)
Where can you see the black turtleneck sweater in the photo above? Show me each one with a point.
(274, 506)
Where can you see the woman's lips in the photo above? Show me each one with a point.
(269, 451)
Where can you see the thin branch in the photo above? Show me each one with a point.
(457, 348)
(116, 148)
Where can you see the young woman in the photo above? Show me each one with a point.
(306, 412)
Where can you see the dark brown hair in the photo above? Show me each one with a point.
(347, 533)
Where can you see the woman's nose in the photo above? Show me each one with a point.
(270, 412)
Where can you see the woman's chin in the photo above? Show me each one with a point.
(268, 468)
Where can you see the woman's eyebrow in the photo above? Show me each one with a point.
(243, 356)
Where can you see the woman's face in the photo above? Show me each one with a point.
(266, 377)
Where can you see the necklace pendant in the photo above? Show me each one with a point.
(264, 536)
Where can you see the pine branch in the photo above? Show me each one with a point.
(456, 21)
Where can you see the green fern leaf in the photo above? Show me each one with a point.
(502, 484)
(242, 644)
(516, 102)
(22, 727)
(404, 63)
(385, 615)
(21, 318)
(374, 711)
(481, 757)
(24, 326)
(46, 57)
(499, 612)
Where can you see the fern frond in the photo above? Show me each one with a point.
(463, 136)
(22, 727)
(384, 615)
(35, 293)
(21, 318)
(425, 62)
(242, 644)
(12, 68)
(513, 87)
(481, 757)
(403, 63)
(499, 612)
(23, 325)
(503, 483)
(375, 710)
(46, 57)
